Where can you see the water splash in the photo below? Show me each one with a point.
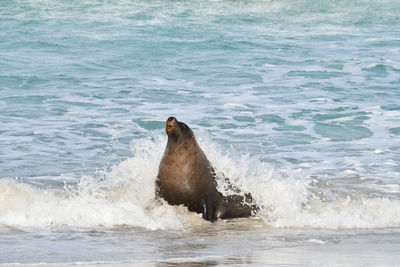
(124, 195)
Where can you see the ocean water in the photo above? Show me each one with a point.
(297, 102)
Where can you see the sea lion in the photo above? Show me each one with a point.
(186, 177)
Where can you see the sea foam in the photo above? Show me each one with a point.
(124, 195)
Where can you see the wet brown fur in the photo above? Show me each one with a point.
(187, 177)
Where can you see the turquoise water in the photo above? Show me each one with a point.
(297, 102)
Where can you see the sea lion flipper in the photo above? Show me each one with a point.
(236, 206)
(209, 209)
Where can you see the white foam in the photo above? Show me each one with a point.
(288, 198)
(316, 241)
(235, 105)
(125, 196)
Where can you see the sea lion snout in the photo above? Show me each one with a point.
(170, 125)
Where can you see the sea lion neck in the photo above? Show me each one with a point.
(180, 144)
(174, 141)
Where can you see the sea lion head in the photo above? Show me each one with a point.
(177, 130)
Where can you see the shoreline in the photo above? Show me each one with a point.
(347, 254)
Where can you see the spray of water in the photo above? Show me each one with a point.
(124, 195)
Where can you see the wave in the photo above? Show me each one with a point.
(125, 196)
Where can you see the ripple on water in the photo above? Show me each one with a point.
(337, 132)
(395, 131)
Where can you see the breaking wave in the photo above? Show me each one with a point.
(124, 195)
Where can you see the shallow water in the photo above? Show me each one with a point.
(242, 242)
(297, 102)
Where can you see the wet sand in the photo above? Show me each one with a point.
(347, 254)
